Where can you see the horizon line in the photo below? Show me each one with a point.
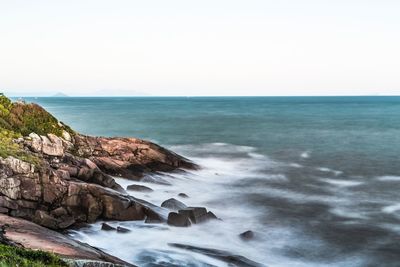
(198, 96)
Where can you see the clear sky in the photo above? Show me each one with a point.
(204, 47)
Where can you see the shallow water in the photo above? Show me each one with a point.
(316, 179)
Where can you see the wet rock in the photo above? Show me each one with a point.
(107, 227)
(196, 214)
(183, 195)
(121, 229)
(139, 188)
(226, 256)
(152, 216)
(247, 235)
(211, 216)
(179, 220)
(173, 204)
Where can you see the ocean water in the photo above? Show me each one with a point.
(316, 178)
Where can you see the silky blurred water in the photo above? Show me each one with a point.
(316, 178)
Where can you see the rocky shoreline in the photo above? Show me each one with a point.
(55, 178)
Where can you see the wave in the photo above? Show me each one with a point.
(342, 183)
(305, 154)
(388, 178)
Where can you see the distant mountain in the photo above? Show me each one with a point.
(59, 94)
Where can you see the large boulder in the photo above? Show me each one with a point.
(178, 220)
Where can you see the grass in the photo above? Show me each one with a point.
(20, 257)
(25, 118)
(9, 148)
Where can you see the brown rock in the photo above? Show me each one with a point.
(43, 218)
(179, 220)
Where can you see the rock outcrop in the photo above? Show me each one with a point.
(29, 235)
(55, 177)
(128, 157)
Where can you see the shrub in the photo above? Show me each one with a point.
(14, 256)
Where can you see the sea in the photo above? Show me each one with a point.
(317, 179)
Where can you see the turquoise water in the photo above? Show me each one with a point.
(321, 175)
(356, 134)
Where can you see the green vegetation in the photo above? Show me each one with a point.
(9, 148)
(19, 119)
(14, 256)
(25, 118)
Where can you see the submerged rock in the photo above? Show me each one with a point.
(139, 188)
(226, 256)
(121, 229)
(247, 235)
(173, 204)
(183, 195)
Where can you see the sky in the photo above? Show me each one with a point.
(199, 48)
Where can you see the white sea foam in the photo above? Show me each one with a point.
(342, 183)
(295, 165)
(305, 154)
(389, 178)
(323, 169)
(391, 208)
(213, 187)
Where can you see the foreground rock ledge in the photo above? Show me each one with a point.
(33, 236)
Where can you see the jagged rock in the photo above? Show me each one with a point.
(173, 204)
(107, 227)
(139, 188)
(179, 220)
